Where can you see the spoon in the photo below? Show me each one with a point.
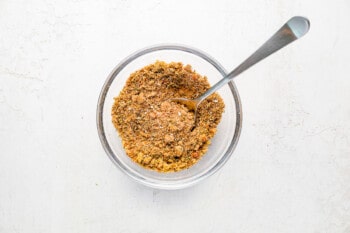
(295, 28)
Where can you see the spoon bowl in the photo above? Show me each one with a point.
(222, 145)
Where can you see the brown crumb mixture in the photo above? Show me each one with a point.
(156, 132)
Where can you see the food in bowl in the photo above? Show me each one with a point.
(156, 132)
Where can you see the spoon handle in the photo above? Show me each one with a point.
(295, 28)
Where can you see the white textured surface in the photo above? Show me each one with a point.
(290, 172)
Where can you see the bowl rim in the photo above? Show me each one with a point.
(133, 174)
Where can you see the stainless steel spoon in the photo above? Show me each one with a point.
(295, 28)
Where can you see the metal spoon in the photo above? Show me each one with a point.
(295, 28)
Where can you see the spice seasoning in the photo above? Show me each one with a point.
(156, 132)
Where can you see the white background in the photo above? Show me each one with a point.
(290, 171)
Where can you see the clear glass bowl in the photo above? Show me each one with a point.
(223, 143)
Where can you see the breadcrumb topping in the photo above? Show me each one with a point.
(156, 132)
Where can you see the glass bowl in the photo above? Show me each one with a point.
(222, 144)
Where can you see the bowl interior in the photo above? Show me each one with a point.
(221, 145)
